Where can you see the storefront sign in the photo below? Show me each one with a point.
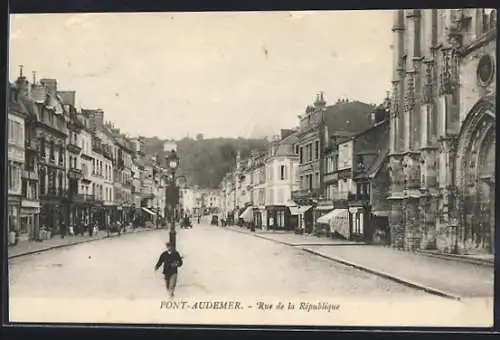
(345, 155)
(31, 175)
(30, 204)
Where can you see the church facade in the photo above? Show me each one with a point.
(442, 130)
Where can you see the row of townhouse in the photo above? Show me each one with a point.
(67, 167)
(418, 171)
(315, 171)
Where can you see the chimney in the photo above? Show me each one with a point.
(97, 118)
(22, 84)
(51, 85)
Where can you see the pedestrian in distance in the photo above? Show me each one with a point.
(171, 260)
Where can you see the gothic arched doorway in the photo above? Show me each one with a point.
(475, 178)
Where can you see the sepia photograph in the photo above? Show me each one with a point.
(273, 168)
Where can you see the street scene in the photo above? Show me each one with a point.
(278, 176)
(219, 264)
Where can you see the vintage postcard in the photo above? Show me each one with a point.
(317, 168)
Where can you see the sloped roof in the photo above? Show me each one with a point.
(354, 116)
(378, 163)
(67, 97)
(285, 147)
(38, 93)
(16, 106)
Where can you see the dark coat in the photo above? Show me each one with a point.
(170, 262)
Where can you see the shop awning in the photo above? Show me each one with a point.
(381, 213)
(300, 209)
(247, 215)
(324, 207)
(148, 211)
(338, 220)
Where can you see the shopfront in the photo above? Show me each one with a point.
(14, 215)
(359, 223)
(260, 218)
(278, 217)
(29, 227)
(304, 217)
(52, 216)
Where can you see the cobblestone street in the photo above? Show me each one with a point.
(218, 264)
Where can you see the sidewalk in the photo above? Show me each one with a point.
(31, 247)
(289, 238)
(453, 279)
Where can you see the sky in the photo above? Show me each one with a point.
(230, 74)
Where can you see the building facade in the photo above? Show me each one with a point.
(317, 124)
(442, 137)
(85, 194)
(281, 170)
(258, 189)
(52, 134)
(17, 113)
(30, 204)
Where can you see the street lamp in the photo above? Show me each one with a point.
(171, 192)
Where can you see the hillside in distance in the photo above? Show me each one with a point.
(204, 162)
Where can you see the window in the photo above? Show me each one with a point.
(317, 179)
(61, 155)
(297, 149)
(15, 133)
(43, 151)
(282, 172)
(41, 179)
(316, 150)
(310, 181)
(52, 151)
(24, 188)
(61, 184)
(14, 178)
(301, 155)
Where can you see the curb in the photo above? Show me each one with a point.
(455, 258)
(388, 276)
(262, 237)
(70, 244)
(400, 280)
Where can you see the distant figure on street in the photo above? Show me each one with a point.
(171, 260)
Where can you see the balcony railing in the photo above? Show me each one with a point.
(73, 146)
(412, 183)
(30, 174)
(331, 177)
(85, 197)
(30, 144)
(75, 174)
(298, 194)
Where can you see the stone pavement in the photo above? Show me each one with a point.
(31, 247)
(453, 279)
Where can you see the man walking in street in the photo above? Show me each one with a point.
(171, 260)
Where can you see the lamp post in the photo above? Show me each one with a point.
(171, 193)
